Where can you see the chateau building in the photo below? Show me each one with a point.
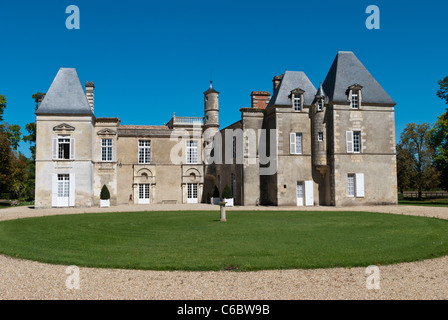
(299, 147)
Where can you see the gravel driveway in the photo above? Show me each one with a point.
(21, 279)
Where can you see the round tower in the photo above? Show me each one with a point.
(319, 128)
(211, 108)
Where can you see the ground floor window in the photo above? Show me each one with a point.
(355, 185)
(192, 193)
(63, 185)
(143, 193)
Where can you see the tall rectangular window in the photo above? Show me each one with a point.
(234, 147)
(144, 151)
(353, 140)
(64, 147)
(295, 143)
(355, 101)
(192, 151)
(297, 103)
(63, 185)
(106, 149)
(356, 141)
(351, 185)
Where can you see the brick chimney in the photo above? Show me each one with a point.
(260, 99)
(90, 93)
(276, 81)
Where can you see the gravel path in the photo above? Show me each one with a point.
(21, 279)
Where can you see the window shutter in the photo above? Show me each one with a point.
(309, 193)
(72, 190)
(292, 143)
(359, 183)
(349, 140)
(54, 190)
(54, 149)
(72, 148)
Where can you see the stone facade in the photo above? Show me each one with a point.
(331, 146)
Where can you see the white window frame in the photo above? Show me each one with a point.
(295, 143)
(61, 153)
(192, 193)
(353, 144)
(144, 194)
(144, 151)
(192, 156)
(298, 103)
(355, 100)
(355, 185)
(106, 149)
(351, 182)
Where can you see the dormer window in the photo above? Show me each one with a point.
(355, 101)
(297, 99)
(297, 104)
(354, 96)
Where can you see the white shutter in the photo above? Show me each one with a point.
(359, 185)
(292, 143)
(72, 148)
(54, 147)
(349, 140)
(71, 200)
(54, 190)
(309, 193)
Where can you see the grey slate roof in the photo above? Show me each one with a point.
(211, 89)
(293, 80)
(347, 70)
(65, 96)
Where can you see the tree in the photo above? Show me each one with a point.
(7, 162)
(404, 162)
(20, 175)
(104, 195)
(2, 106)
(14, 135)
(31, 138)
(442, 93)
(438, 137)
(227, 192)
(415, 155)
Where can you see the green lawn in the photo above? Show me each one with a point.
(191, 240)
(425, 202)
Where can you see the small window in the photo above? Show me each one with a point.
(320, 136)
(320, 106)
(355, 101)
(297, 103)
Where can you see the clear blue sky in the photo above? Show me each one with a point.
(149, 59)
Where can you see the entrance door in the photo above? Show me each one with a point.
(63, 190)
(300, 193)
(143, 194)
(192, 193)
